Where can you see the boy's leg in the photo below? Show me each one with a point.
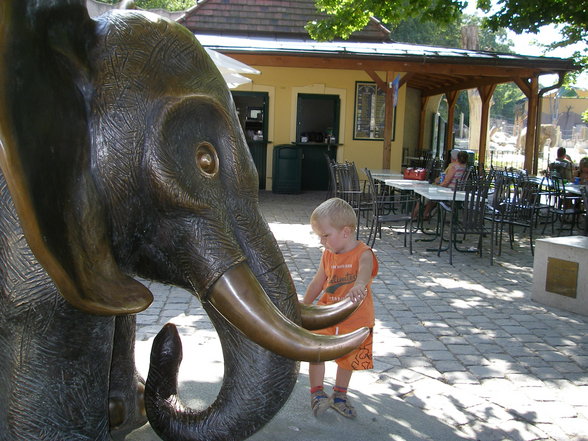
(343, 377)
(319, 400)
(340, 400)
(316, 374)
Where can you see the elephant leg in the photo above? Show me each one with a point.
(126, 394)
(54, 359)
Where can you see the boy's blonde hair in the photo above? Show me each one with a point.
(337, 212)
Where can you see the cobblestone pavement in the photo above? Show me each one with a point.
(461, 351)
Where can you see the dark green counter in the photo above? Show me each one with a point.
(301, 167)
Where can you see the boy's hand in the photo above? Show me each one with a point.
(357, 293)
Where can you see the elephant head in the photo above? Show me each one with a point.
(123, 157)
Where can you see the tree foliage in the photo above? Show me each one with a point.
(348, 16)
(505, 98)
(415, 31)
(571, 18)
(530, 15)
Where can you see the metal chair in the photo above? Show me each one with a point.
(518, 210)
(584, 194)
(389, 209)
(561, 169)
(499, 196)
(332, 177)
(349, 188)
(563, 206)
(467, 218)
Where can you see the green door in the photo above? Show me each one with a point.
(317, 133)
(252, 108)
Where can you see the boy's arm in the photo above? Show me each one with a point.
(364, 276)
(316, 286)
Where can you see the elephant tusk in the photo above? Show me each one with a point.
(323, 316)
(239, 297)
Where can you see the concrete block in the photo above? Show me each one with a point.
(560, 273)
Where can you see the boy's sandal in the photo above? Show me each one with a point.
(319, 401)
(341, 404)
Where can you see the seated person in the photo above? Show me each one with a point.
(582, 172)
(562, 167)
(456, 168)
(454, 172)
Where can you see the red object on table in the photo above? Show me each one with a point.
(416, 174)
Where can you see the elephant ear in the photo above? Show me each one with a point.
(45, 136)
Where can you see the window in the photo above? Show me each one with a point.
(317, 119)
(370, 112)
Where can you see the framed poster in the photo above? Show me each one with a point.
(370, 112)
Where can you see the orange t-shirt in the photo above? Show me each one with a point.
(341, 271)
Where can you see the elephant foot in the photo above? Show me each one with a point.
(121, 415)
(116, 412)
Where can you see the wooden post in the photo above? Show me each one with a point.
(422, 119)
(535, 162)
(486, 96)
(532, 126)
(451, 100)
(388, 119)
(530, 88)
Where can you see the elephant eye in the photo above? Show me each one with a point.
(206, 159)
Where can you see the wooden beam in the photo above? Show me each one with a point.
(451, 100)
(380, 82)
(535, 165)
(388, 119)
(382, 64)
(525, 85)
(533, 105)
(421, 141)
(486, 96)
(406, 78)
(468, 84)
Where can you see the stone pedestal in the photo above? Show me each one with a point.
(560, 273)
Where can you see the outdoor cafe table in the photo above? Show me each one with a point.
(405, 184)
(574, 188)
(437, 193)
(432, 192)
(570, 188)
(426, 191)
(383, 174)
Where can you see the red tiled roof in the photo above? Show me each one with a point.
(261, 18)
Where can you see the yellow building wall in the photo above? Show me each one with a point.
(283, 86)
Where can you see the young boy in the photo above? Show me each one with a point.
(346, 270)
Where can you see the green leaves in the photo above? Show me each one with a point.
(348, 16)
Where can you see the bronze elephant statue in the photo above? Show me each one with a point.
(122, 157)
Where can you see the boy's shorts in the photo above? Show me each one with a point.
(358, 359)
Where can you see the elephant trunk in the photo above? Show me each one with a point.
(232, 416)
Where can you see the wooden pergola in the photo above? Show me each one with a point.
(433, 71)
